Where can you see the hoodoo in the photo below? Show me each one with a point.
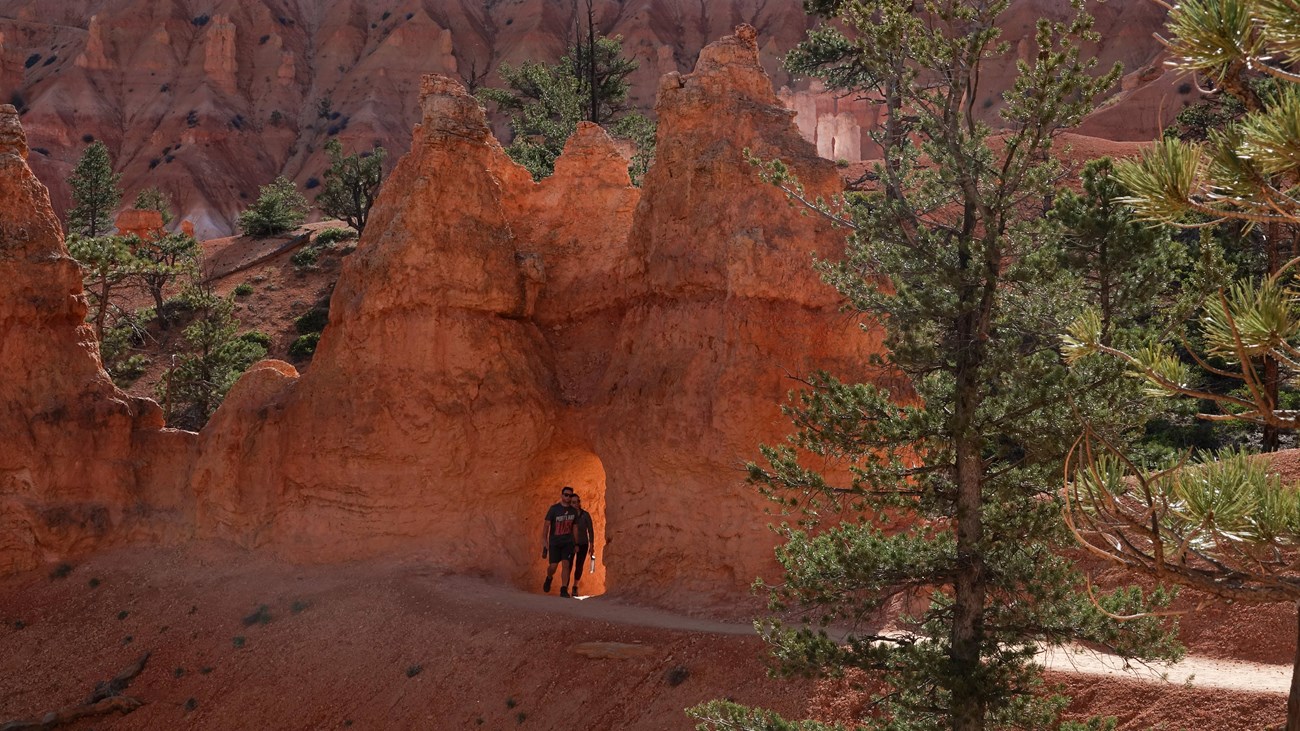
(490, 339)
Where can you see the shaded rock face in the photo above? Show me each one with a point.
(209, 102)
(493, 339)
(71, 444)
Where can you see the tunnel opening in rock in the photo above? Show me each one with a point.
(585, 473)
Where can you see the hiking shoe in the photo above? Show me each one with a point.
(575, 591)
(546, 585)
(564, 592)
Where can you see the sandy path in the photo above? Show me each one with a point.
(1192, 672)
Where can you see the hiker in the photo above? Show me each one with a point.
(557, 540)
(584, 535)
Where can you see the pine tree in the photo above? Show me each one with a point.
(160, 260)
(153, 199)
(107, 263)
(351, 184)
(545, 102)
(95, 194)
(279, 208)
(214, 357)
(1247, 171)
(949, 490)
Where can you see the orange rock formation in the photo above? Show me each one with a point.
(81, 463)
(492, 339)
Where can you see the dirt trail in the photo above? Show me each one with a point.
(1192, 672)
(242, 640)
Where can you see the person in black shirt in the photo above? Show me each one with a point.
(584, 535)
(557, 540)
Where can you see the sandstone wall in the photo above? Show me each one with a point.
(81, 463)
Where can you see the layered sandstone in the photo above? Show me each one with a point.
(209, 102)
(81, 463)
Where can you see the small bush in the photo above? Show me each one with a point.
(262, 41)
(93, 583)
(88, 138)
(128, 371)
(50, 60)
(238, 641)
(243, 289)
(305, 345)
(205, 670)
(200, 20)
(178, 673)
(257, 337)
(123, 615)
(511, 702)
(41, 151)
(313, 321)
(32, 60)
(128, 639)
(298, 606)
(279, 208)
(192, 119)
(414, 670)
(19, 624)
(165, 88)
(676, 675)
(154, 162)
(306, 256)
(334, 235)
(311, 183)
(261, 616)
(61, 571)
(385, 16)
(841, 163)
(191, 704)
(520, 717)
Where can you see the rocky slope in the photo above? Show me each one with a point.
(210, 98)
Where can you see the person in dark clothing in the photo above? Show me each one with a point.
(584, 535)
(557, 540)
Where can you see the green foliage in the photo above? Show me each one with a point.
(305, 345)
(153, 199)
(279, 208)
(257, 337)
(214, 357)
(306, 256)
(331, 236)
(947, 466)
(163, 259)
(351, 184)
(261, 616)
(95, 192)
(1248, 167)
(546, 102)
(107, 265)
(313, 321)
(243, 289)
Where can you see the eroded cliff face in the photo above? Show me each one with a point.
(491, 340)
(81, 463)
(209, 100)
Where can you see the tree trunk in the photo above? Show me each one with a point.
(1293, 699)
(969, 586)
(1272, 435)
(1274, 250)
(102, 313)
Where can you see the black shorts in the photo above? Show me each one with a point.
(560, 551)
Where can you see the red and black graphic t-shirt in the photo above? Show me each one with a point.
(561, 519)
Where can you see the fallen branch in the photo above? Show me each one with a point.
(105, 699)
